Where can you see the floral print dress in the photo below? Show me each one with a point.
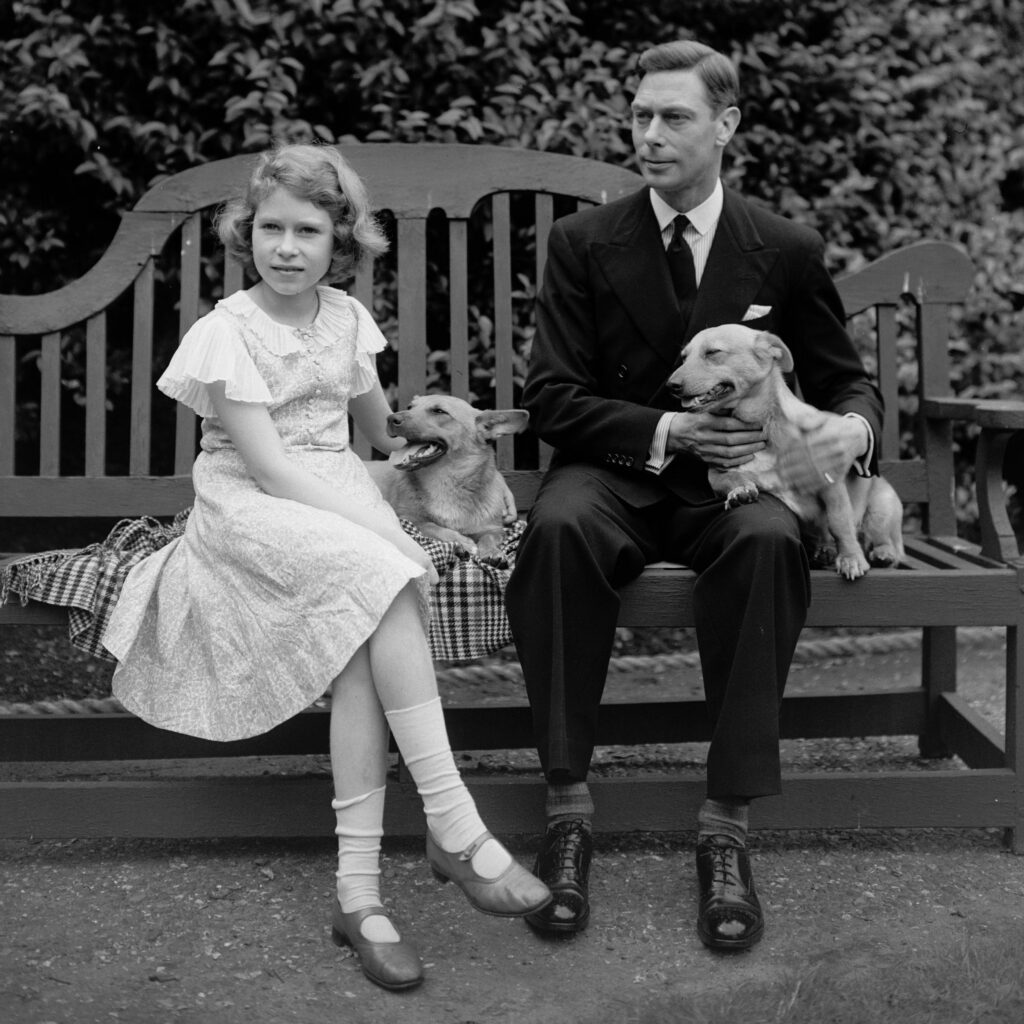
(246, 618)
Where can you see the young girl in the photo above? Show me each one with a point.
(293, 575)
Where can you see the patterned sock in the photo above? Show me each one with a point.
(569, 801)
(723, 818)
(452, 817)
(359, 830)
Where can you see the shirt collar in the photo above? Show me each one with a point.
(703, 217)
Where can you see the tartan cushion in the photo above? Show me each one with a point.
(467, 605)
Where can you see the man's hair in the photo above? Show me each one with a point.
(716, 71)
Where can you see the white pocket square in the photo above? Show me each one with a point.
(756, 312)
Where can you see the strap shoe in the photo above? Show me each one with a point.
(563, 863)
(392, 965)
(514, 893)
(729, 915)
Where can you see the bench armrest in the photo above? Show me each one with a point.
(996, 414)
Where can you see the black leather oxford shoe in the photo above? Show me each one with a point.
(729, 915)
(563, 864)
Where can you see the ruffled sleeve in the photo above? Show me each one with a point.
(369, 341)
(212, 350)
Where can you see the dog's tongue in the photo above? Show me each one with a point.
(412, 456)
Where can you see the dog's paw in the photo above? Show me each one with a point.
(852, 567)
(489, 547)
(823, 556)
(745, 494)
(884, 557)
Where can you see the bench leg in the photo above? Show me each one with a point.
(938, 676)
(1014, 836)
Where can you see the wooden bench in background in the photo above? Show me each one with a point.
(470, 227)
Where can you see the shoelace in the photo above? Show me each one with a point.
(721, 871)
(565, 849)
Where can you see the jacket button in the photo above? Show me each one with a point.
(622, 371)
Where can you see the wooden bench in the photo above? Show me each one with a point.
(470, 227)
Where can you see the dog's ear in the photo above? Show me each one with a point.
(492, 422)
(775, 348)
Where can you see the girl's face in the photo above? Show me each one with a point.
(292, 243)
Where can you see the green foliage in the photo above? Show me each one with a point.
(879, 122)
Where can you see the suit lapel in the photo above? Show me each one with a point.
(636, 270)
(737, 265)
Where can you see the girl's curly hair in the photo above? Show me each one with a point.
(318, 175)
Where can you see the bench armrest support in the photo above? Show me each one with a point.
(999, 421)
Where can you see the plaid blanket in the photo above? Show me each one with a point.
(467, 605)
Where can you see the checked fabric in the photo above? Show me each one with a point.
(467, 605)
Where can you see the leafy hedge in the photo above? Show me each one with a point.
(879, 122)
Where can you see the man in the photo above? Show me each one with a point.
(626, 286)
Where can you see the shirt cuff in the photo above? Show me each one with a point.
(862, 462)
(657, 460)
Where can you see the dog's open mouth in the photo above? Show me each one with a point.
(691, 403)
(417, 454)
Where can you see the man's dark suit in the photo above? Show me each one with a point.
(609, 333)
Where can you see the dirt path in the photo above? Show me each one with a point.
(236, 932)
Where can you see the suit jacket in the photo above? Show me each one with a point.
(609, 333)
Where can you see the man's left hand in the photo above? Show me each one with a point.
(826, 454)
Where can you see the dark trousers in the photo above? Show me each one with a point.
(582, 542)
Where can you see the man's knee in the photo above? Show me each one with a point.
(767, 523)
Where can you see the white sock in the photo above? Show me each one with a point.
(360, 826)
(451, 813)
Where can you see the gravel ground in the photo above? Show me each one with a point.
(236, 932)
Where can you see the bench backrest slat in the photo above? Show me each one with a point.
(503, 335)
(7, 405)
(96, 395)
(49, 405)
(458, 308)
(412, 307)
(470, 232)
(888, 377)
(142, 372)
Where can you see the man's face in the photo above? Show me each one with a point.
(678, 138)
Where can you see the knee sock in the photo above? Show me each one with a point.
(359, 830)
(723, 818)
(451, 813)
(569, 801)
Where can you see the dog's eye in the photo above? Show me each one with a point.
(438, 411)
(711, 353)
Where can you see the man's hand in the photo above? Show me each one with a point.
(721, 441)
(826, 454)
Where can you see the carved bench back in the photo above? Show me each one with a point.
(87, 433)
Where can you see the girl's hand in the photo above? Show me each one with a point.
(510, 513)
(414, 553)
